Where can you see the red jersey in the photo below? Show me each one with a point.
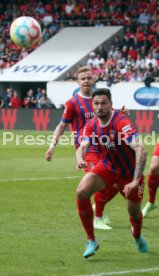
(113, 139)
(78, 110)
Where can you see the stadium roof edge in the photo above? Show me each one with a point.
(60, 53)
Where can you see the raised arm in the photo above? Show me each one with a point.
(55, 138)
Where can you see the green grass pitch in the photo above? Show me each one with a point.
(40, 232)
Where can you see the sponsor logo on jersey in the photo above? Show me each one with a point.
(126, 128)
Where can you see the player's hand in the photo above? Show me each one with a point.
(129, 187)
(81, 164)
(125, 111)
(49, 154)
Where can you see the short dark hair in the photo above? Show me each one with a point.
(102, 91)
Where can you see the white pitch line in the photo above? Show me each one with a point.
(143, 270)
(40, 178)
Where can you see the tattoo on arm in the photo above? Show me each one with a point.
(141, 157)
(140, 163)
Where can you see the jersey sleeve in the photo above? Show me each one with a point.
(87, 133)
(68, 113)
(125, 129)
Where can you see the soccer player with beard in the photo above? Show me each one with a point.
(78, 110)
(123, 162)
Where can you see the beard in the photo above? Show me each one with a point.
(104, 115)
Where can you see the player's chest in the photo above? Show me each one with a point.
(84, 112)
(108, 139)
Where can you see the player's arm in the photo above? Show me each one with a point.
(55, 138)
(140, 161)
(85, 143)
(80, 154)
(130, 136)
(141, 157)
(66, 119)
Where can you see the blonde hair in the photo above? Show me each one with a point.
(83, 69)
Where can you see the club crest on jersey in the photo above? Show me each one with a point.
(107, 142)
(110, 146)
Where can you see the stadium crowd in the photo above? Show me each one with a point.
(135, 57)
(34, 99)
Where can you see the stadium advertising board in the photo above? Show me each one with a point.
(47, 119)
(135, 96)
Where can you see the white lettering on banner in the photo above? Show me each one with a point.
(41, 69)
(147, 96)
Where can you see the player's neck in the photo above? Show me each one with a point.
(106, 120)
(85, 94)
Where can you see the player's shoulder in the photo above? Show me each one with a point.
(122, 122)
(71, 101)
(119, 116)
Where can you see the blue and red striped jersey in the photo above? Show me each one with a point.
(113, 139)
(78, 110)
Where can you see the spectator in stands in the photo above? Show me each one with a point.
(1, 102)
(155, 74)
(23, 53)
(47, 19)
(2, 46)
(148, 79)
(116, 53)
(44, 102)
(142, 52)
(102, 52)
(117, 42)
(1, 66)
(40, 8)
(145, 42)
(29, 101)
(124, 51)
(15, 101)
(128, 73)
(121, 59)
(144, 18)
(7, 95)
(111, 51)
(132, 52)
(100, 59)
(133, 77)
(140, 63)
(155, 53)
(92, 60)
(38, 95)
(69, 77)
(129, 62)
(150, 60)
(136, 43)
(69, 7)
